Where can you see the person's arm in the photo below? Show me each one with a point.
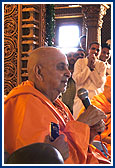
(81, 71)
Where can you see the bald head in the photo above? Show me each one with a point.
(41, 56)
(37, 153)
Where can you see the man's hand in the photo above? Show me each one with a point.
(60, 144)
(91, 116)
(96, 129)
(91, 61)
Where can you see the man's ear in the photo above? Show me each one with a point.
(37, 71)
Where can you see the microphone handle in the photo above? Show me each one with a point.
(86, 102)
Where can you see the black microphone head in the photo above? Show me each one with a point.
(82, 93)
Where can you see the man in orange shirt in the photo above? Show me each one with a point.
(33, 105)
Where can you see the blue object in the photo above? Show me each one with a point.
(98, 145)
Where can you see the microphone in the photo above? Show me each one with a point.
(83, 95)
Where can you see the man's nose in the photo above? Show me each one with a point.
(95, 52)
(68, 73)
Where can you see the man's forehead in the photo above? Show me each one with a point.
(106, 49)
(51, 54)
(70, 53)
(95, 45)
(57, 58)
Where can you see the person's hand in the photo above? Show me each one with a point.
(91, 61)
(107, 140)
(96, 129)
(60, 144)
(91, 116)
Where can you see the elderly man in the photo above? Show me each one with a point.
(89, 73)
(33, 105)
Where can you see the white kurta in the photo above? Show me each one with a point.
(90, 80)
(108, 68)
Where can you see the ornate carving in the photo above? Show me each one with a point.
(103, 9)
(93, 15)
(88, 10)
(33, 33)
(10, 27)
(43, 28)
(9, 70)
(10, 46)
(9, 9)
(8, 86)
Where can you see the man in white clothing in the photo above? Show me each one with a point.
(104, 56)
(89, 73)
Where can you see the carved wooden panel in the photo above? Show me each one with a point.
(106, 29)
(43, 25)
(67, 11)
(93, 18)
(24, 30)
(10, 46)
(33, 32)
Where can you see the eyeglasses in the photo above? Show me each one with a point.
(93, 48)
(78, 54)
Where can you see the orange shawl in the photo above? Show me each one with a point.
(27, 116)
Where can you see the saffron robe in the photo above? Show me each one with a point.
(102, 103)
(27, 117)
